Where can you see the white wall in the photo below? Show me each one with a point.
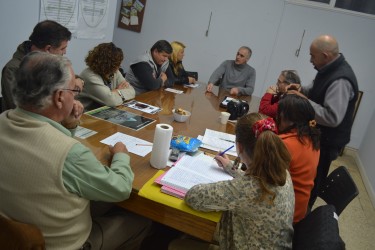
(366, 158)
(233, 24)
(18, 18)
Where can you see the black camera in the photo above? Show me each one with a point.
(237, 108)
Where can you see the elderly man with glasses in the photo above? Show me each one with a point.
(48, 178)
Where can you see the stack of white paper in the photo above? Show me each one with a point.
(219, 141)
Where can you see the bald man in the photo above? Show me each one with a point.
(333, 94)
(237, 76)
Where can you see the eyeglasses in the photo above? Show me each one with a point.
(278, 83)
(76, 92)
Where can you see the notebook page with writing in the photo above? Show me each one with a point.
(183, 179)
(193, 170)
(213, 148)
(205, 165)
(220, 140)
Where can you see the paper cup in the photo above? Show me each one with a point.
(224, 117)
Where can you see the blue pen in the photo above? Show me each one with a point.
(222, 153)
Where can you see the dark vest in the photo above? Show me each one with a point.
(338, 136)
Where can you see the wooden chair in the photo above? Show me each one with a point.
(20, 236)
(338, 189)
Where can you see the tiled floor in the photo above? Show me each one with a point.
(357, 221)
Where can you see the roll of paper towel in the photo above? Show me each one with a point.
(160, 147)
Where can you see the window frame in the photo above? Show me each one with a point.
(330, 7)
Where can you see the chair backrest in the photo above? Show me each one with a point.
(122, 71)
(193, 74)
(357, 103)
(20, 236)
(339, 189)
(356, 107)
(318, 230)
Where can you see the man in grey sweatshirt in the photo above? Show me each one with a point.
(236, 76)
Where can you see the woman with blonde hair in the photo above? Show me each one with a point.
(257, 206)
(175, 62)
(104, 83)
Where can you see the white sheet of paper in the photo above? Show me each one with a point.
(230, 152)
(220, 141)
(84, 133)
(196, 85)
(125, 20)
(174, 90)
(130, 142)
(134, 20)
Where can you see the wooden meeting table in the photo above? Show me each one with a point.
(205, 112)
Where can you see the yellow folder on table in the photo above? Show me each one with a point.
(151, 190)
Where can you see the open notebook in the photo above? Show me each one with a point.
(190, 171)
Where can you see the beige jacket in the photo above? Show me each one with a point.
(96, 93)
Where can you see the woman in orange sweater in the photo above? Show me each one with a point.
(297, 129)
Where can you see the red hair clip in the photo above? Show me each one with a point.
(263, 125)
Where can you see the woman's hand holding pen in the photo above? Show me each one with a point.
(222, 160)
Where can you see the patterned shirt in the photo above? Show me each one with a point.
(247, 223)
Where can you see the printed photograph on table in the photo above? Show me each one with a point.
(121, 117)
(144, 107)
(131, 14)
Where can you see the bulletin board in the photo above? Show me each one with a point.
(131, 14)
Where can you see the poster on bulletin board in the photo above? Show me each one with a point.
(131, 14)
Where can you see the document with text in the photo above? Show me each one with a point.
(219, 141)
(193, 170)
